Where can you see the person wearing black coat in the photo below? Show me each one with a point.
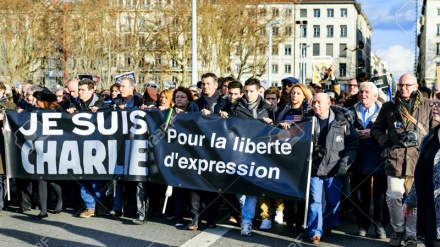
(369, 163)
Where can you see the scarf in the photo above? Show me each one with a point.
(253, 107)
(409, 107)
(210, 102)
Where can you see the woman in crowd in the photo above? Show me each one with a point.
(182, 98)
(115, 89)
(165, 99)
(149, 99)
(293, 111)
(424, 192)
(45, 99)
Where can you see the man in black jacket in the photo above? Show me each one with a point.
(210, 101)
(251, 106)
(88, 100)
(334, 152)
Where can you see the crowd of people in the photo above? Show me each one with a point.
(363, 148)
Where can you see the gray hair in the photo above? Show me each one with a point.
(34, 88)
(197, 88)
(372, 85)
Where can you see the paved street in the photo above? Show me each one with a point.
(66, 229)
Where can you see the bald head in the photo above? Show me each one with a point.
(321, 105)
(407, 85)
(72, 86)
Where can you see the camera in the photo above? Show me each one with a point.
(408, 139)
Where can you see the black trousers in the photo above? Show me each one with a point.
(211, 210)
(363, 193)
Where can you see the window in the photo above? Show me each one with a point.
(342, 50)
(343, 30)
(287, 69)
(316, 31)
(342, 70)
(262, 12)
(275, 31)
(237, 67)
(275, 12)
(275, 68)
(288, 31)
(303, 13)
(330, 31)
(238, 50)
(303, 31)
(287, 12)
(343, 12)
(438, 11)
(127, 60)
(438, 49)
(329, 50)
(275, 50)
(317, 13)
(287, 50)
(304, 50)
(316, 49)
(330, 13)
(438, 29)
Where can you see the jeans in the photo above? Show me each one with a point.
(316, 221)
(91, 191)
(395, 191)
(248, 209)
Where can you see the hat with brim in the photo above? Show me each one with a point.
(45, 95)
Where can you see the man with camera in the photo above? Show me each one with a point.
(399, 128)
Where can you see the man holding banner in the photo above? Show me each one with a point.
(334, 152)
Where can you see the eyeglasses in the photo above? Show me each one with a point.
(406, 85)
(435, 103)
(352, 85)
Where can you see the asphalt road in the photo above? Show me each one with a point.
(66, 229)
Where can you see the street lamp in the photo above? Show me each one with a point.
(302, 50)
(269, 63)
(303, 58)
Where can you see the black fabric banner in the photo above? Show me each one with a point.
(234, 155)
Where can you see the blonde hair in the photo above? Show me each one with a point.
(169, 95)
(303, 89)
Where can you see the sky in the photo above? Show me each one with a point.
(393, 38)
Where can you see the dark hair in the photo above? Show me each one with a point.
(183, 90)
(426, 90)
(437, 95)
(363, 77)
(206, 75)
(115, 85)
(253, 81)
(235, 84)
(90, 84)
(272, 90)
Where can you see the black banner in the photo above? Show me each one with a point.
(234, 155)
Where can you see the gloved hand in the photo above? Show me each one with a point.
(388, 147)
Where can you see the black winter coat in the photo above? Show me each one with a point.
(341, 144)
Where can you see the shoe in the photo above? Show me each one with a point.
(179, 224)
(212, 225)
(116, 213)
(396, 239)
(170, 217)
(232, 220)
(380, 232)
(246, 230)
(193, 227)
(138, 221)
(56, 211)
(87, 213)
(266, 224)
(279, 217)
(362, 232)
(410, 242)
(316, 240)
(41, 216)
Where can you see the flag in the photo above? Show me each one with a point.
(389, 93)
